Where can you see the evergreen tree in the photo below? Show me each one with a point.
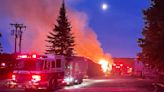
(152, 43)
(61, 40)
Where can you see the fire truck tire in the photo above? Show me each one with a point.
(80, 81)
(52, 84)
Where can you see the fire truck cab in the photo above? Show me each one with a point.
(38, 72)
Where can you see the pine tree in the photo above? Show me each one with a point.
(152, 44)
(61, 40)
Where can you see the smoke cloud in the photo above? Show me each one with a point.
(40, 16)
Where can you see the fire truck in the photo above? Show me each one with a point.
(121, 69)
(38, 72)
(46, 71)
(75, 70)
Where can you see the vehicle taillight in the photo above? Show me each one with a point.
(63, 81)
(36, 78)
(121, 65)
(13, 77)
(114, 64)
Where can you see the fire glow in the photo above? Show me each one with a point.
(104, 65)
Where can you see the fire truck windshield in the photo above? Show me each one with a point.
(29, 64)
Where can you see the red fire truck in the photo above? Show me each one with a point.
(121, 69)
(38, 72)
(47, 72)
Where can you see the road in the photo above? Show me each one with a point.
(107, 84)
(121, 84)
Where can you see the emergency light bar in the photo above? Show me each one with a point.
(27, 56)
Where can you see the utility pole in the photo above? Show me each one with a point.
(20, 32)
(17, 32)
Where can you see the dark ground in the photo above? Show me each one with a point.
(107, 84)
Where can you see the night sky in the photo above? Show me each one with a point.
(117, 28)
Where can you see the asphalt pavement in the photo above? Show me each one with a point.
(107, 84)
(113, 84)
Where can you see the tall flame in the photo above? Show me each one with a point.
(104, 64)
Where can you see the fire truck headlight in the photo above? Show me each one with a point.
(68, 79)
(71, 79)
(13, 77)
(36, 78)
(3, 64)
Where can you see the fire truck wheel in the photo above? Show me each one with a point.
(52, 84)
(80, 81)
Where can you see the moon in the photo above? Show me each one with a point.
(104, 6)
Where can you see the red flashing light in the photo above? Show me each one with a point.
(63, 81)
(121, 65)
(114, 64)
(27, 56)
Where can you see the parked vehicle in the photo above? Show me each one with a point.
(47, 71)
(121, 69)
(38, 72)
(76, 69)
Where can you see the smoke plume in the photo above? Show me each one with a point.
(40, 16)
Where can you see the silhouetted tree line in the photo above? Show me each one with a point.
(152, 43)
